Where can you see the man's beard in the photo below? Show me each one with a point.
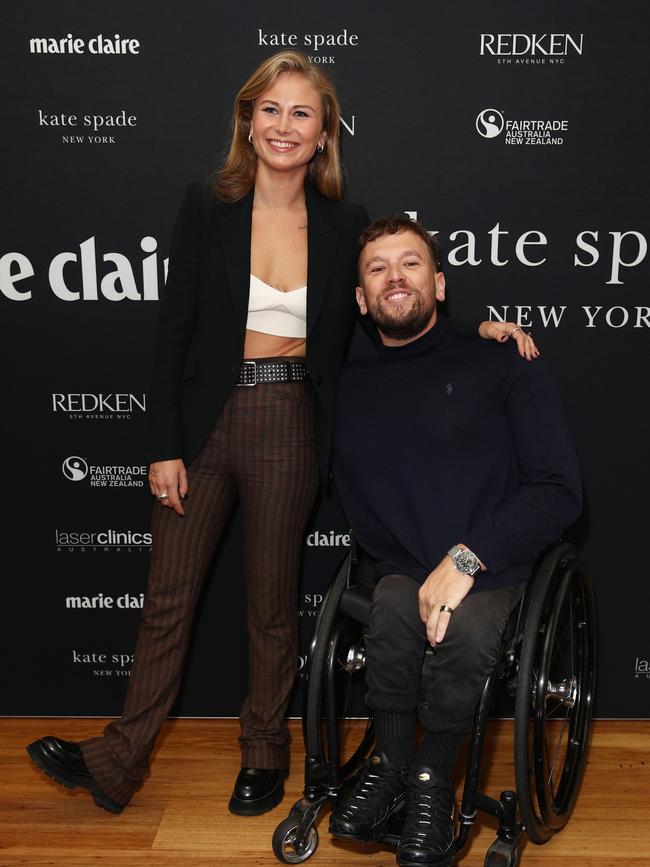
(407, 326)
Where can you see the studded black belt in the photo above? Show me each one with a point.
(258, 372)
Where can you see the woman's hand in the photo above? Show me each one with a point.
(168, 483)
(501, 331)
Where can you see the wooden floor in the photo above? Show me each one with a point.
(180, 817)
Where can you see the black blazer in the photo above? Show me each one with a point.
(204, 307)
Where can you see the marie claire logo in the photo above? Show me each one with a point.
(96, 45)
(76, 469)
(98, 128)
(109, 406)
(317, 46)
(104, 601)
(323, 539)
(541, 49)
(641, 668)
(80, 276)
(117, 541)
(490, 123)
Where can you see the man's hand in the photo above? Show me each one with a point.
(444, 586)
(170, 478)
(501, 331)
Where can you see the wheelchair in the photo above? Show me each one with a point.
(548, 666)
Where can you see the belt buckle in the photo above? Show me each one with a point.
(254, 382)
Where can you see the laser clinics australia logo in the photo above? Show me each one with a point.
(96, 128)
(103, 663)
(108, 406)
(105, 541)
(492, 123)
(77, 469)
(107, 46)
(526, 49)
(106, 602)
(320, 48)
(641, 668)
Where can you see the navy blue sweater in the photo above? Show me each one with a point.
(452, 439)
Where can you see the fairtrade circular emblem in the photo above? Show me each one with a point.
(489, 123)
(75, 469)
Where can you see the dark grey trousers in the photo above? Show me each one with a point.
(445, 690)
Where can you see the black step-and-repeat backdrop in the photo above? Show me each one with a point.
(518, 132)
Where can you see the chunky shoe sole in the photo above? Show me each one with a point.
(69, 779)
(245, 807)
(370, 837)
(446, 860)
(373, 834)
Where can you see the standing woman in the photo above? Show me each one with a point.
(254, 321)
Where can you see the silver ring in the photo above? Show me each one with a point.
(447, 608)
(163, 496)
(515, 330)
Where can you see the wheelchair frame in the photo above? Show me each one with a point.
(548, 663)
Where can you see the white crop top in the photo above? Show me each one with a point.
(274, 312)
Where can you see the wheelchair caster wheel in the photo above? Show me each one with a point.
(502, 854)
(284, 843)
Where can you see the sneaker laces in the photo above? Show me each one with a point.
(429, 816)
(376, 789)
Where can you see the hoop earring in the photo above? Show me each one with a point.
(250, 136)
(320, 148)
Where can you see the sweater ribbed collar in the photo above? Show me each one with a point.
(426, 343)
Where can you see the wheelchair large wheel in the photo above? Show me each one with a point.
(555, 692)
(336, 730)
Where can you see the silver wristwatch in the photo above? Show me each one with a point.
(465, 560)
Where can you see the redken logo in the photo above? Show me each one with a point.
(531, 45)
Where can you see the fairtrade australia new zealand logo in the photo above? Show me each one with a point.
(489, 123)
(74, 468)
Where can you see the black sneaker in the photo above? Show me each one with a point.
(378, 793)
(428, 835)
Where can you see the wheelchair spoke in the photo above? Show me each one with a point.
(555, 755)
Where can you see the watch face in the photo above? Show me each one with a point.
(466, 561)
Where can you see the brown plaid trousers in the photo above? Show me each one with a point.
(262, 450)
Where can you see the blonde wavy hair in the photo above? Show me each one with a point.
(237, 174)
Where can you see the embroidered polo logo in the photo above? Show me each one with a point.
(449, 389)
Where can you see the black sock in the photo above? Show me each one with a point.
(395, 736)
(439, 752)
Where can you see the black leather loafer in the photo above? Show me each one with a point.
(257, 790)
(63, 762)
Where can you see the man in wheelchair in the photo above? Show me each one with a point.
(456, 470)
